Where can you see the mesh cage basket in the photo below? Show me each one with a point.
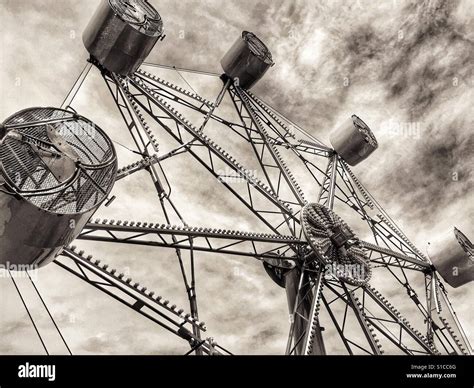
(57, 160)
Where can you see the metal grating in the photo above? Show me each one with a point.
(22, 165)
(258, 47)
(140, 14)
(37, 114)
(465, 243)
(29, 154)
(365, 130)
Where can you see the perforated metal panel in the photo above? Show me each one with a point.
(59, 161)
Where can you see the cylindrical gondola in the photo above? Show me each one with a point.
(247, 60)
(122, 33)
(353, 140)
(56, 168)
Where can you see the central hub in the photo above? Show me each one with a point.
(340, 236)
(334, 244)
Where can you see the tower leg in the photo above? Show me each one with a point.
(300, 297)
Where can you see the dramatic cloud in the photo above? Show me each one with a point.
(404, 66)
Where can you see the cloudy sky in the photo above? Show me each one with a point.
(406, 68)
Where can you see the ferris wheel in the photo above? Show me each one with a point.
(355, 283)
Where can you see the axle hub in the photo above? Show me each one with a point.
(335, 245)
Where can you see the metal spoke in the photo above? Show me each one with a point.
(144, 302)
(257, 245)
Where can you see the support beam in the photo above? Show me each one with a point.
(133, 295)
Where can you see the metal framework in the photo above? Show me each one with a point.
(320, 303)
